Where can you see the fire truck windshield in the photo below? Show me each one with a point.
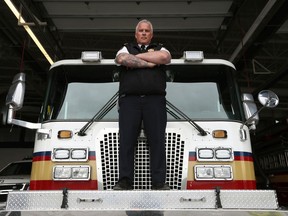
(196, 100)
(200, 95)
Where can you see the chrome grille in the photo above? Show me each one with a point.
(142, 178)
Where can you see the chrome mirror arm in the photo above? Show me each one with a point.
(268, 99)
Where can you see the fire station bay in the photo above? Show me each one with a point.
(196, 123)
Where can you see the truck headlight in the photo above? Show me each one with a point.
(61, 172)
(214, 154)
(70, 154)
(79, 153)
(222, 172)
(61, 153)
(72, 172)
(213, 172)
(205, 153)
(204, 172)
(80, 172)
(223, 153)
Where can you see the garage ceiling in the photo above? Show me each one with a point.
(253, 34)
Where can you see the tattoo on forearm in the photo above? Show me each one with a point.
(134, 62)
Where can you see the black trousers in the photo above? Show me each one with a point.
(151, 109)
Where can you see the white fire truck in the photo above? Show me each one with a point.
(209, 158)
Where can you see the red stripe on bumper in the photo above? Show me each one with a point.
(59, 185)
(200, 185)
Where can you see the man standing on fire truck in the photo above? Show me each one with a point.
(142, 98)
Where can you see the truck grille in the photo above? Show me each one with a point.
(142, 178)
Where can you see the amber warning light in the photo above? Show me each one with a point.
(65, 134)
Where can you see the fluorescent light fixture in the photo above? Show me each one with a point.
(29, 31)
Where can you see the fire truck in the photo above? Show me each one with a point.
(208, 148)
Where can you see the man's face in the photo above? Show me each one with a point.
(143, 34)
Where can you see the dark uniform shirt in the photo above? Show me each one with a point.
(142, 81)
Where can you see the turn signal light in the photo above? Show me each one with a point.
(219, 134)
(65, 134)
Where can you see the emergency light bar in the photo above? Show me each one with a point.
(193, 56)
(91, 56)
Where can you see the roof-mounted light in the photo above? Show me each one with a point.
(193, 56)
(91, 56)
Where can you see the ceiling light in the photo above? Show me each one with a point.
(28, 29)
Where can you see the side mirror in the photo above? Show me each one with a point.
(15, 96)
(14, 101)
(268, 99)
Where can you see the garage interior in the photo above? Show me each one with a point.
(252, 34)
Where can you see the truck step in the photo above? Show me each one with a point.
(141, 200)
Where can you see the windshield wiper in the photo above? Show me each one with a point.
(113, 101)
(100, 114)
(183, 115)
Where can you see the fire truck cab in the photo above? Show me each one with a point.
(208, 145)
